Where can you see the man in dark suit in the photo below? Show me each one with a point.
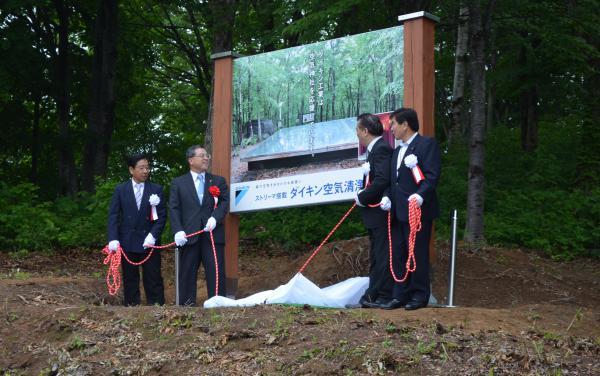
(377, 179)
(132, 226)
(418, 183)
(192, 208)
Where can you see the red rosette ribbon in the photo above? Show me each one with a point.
(215, 192)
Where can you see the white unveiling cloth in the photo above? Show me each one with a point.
(300, 290)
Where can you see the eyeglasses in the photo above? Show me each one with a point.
(207, 156)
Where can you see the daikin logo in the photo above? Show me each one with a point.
(240, 192)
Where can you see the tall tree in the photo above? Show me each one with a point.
(460, 69)
(101, 116)
(66, 161)
(223, 16)
(478, 29)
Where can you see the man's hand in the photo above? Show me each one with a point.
(210, 224)
(180, 239)
(113, 245)
(417, 197)
(385, 204)
(357, 200)
(149, 241)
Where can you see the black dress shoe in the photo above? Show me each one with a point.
(376, 304)
(352, 306)
(365, 301)
(415, 304)
(392, 304)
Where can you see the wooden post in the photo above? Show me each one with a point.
(419, 79)
(221, 162)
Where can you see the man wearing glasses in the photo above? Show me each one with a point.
(132, 226)
(192, 208)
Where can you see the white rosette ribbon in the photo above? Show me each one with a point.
(154, 201)
(411, 162)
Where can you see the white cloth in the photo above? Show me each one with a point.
(210, 224)
(138, 190)
(199, 183)
(300, 290)
(403, 148)
(180, 238)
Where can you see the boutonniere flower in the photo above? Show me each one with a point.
(411, 162)
(215, 192)
(154, 201)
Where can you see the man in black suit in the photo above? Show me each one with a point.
(369, 131)
(412, 180)
(132, 226)
(192, 208)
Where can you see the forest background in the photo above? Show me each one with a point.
(84, 83)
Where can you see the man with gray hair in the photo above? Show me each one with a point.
(199, 200)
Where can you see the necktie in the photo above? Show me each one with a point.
(200, 188)
(138, 195)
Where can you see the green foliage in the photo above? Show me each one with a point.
(25, 223)
(83, 220)
(532, 199)
(28, 224)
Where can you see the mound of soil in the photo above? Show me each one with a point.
(518, 313)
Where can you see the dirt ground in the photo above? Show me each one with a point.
(518, 313)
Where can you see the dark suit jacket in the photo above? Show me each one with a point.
(129, 225)
(403, 184)
(379, 178)
(189, 215)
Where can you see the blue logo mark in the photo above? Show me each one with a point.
(240, 192)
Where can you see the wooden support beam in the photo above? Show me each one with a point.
(221, 162)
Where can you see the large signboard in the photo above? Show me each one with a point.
(294, 118)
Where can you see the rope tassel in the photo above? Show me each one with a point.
(414, 222)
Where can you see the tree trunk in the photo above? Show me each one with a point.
(66, 161)
(491, 92)
(528, 108)
(35, 138)
(529, 133)
(102, 105)
(391, 98)
(333, 91)
(358, 90)
(476, 194)
(460, 69)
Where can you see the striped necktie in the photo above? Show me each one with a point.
(138, 195)
(200, 188)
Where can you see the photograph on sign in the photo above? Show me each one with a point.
(294, 115)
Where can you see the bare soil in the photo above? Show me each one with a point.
(518, 313)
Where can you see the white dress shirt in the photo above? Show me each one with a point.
(403, 148)
(370, 147)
